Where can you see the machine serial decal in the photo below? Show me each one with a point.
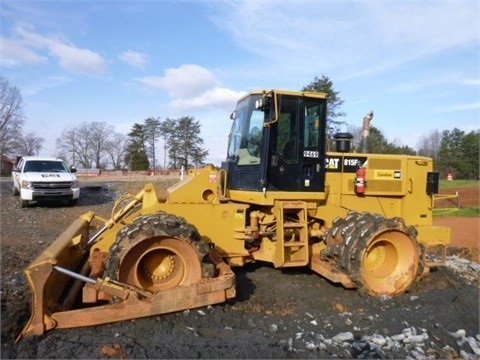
(347, 164)
(310, 154)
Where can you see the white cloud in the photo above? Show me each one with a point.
(70, 57)
(191, 87)
(134, 58)
(461, 107)
(15, 53)
(77, 59)
(218, 97)
(470, 82)
(427, 80)
(185, 81)
(44, 84)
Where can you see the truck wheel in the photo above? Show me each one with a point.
(382, 256)
(73, 202)
(15, 192)
(158, 251)
(24, 203)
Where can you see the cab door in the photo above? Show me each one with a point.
(296, 146)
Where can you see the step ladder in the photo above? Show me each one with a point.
(292, 234)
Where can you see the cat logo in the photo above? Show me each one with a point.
(332, 163)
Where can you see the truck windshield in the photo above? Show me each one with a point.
(45, 166)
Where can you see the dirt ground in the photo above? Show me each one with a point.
(290, 314)
(465, 231)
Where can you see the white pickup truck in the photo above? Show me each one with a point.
(40, 178)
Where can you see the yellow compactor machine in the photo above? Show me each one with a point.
(362, 220)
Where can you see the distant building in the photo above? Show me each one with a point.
(6, 166)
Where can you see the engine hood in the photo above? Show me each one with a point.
(49, 176)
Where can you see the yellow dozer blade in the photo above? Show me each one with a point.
(60, 276)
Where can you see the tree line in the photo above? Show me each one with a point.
(182, 144)
(97, 145)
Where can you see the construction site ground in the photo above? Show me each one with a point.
(290, 313)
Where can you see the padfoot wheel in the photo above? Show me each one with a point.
(382, 256)
(158, 251)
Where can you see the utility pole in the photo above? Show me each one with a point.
(165, 155)
(153, 148)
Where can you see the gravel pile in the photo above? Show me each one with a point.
(466, 269)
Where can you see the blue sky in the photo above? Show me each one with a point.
(414, 63)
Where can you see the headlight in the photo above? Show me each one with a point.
(26, 184)
(74, 184)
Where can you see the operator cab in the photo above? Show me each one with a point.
(277, 142)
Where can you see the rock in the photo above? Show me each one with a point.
(473, 345)
(273, 327)
(344, 336)
(459, 334)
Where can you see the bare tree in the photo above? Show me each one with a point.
(356, 141)
(74, 146)
(66, 148)
(99, 134)
(11, 120)
(116, 148)
(29, 144)
(86, 144)
(429, 144)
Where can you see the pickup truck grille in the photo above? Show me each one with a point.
(52, 185)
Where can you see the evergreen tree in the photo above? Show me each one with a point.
(136, 154)
(451, 152)
(182, 142)
(152, 130)
(471, 155)
(167, 129)
(186, 144)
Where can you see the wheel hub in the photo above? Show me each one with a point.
(158, 266)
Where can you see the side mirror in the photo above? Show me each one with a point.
(73, 169)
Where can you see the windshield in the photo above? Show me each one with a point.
(45, 166)
(245, 140)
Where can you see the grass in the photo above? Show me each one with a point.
(454, 184)
(473, 211)
(470, 211)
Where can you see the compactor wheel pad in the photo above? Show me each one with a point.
(382, 256)
(158, 251)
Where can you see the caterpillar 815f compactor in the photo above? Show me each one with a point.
(362, 220)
